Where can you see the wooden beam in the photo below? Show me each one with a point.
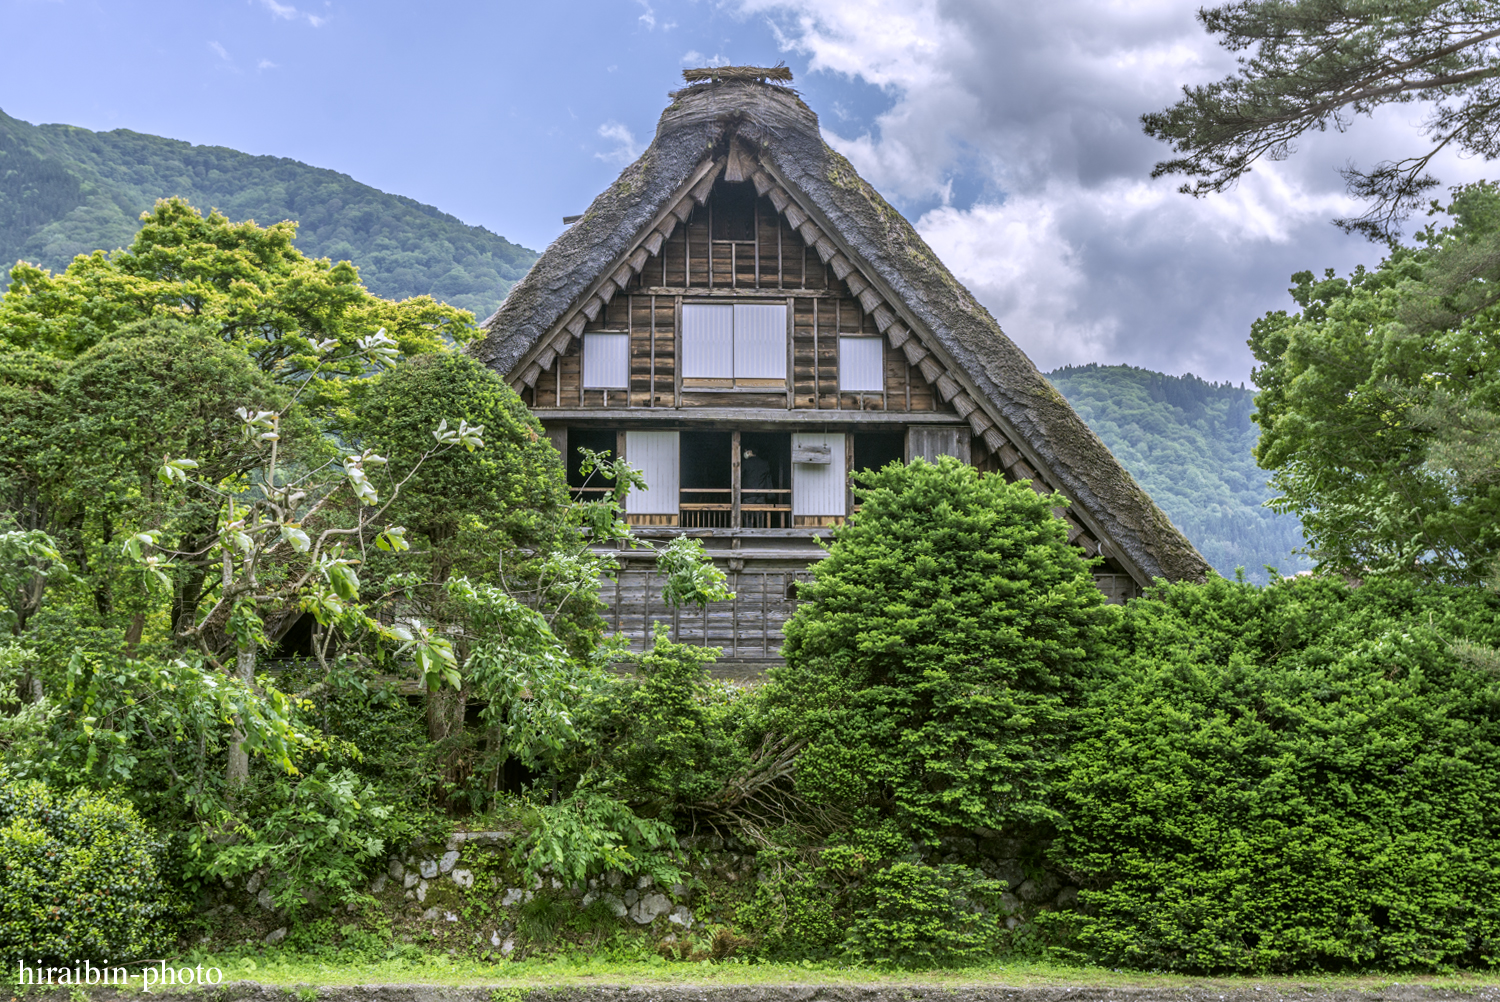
(698, 292)
(741, 417)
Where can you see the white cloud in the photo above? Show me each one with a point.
(627, 147)
(648, 17)
(1012, 136)
(220, 51)
(265, 64)
(694, 58)
(1070, 271)
(287, 12)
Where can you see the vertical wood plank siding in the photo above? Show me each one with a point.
(930, 443)
(777, 259)
(747, 627)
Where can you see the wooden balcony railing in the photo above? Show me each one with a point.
(713, 508)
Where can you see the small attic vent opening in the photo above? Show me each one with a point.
(733, 211)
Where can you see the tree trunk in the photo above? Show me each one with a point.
(133, 633)
(239, 758)
(103, 600)
(445, 722)
(187, 593)
(445, 713)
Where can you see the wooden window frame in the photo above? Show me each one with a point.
(732, 384)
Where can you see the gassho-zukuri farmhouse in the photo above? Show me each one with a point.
(747, 321)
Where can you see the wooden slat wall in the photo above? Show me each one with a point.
(747, 626)
(778, 260)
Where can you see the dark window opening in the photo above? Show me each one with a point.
(593, 487)
(734, 211)
(297, 641)
(765, 480)
(875, 450)
(706, 475)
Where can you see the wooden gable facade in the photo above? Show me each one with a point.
(733, 345)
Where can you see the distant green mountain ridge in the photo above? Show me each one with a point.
(1188, 442)
(67, 191)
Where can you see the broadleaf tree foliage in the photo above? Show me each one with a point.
(1378, 405)
(1312, 65)
(206, 444)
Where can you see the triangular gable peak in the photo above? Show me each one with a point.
(730, 132)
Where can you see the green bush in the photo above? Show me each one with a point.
(939, 656)
(1291, 778)
(318, 840)
(668, 736)
(494, 515)
(80, 878)
(917, 915)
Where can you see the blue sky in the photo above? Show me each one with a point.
(1006, 130)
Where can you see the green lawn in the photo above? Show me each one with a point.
(441, 969)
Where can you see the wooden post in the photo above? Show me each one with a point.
(734, 481)
(791, 353)
(817, 362)
(838, 329)
(755, 218)
(651, 397)
(677, 352)
(849, 460)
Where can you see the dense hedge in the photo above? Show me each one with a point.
(1305, 776)
(937, 659)
(80, 878)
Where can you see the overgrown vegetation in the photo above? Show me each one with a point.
(298, 609)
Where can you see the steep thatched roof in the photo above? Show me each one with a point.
(744, 125)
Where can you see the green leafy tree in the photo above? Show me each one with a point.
(1316, 64)
(156, 388)
(245, 283)
(1376, 400)
(935, 663)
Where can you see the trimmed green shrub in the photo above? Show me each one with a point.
(917, 915)
(937, 661)
(80, 878)
(1291, 778)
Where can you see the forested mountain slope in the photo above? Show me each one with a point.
(1188, 441)
(67, 191)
